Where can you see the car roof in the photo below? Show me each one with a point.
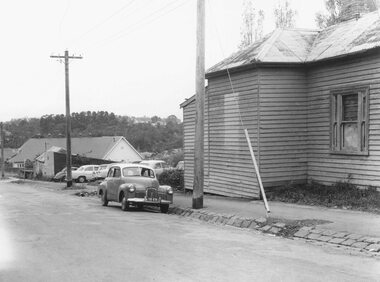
(152, 161)
(123, 165)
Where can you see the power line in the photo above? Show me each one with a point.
(227, 69)
(118, 11)
(64, 16)
(143, 22)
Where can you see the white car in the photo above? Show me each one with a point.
(85, 173)
(158, 166)
(103, 170)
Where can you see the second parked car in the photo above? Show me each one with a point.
(61, 176)
(158, 165)
(85, 173)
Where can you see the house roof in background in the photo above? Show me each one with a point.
(91, 147)
(8, 153)
(303, 46)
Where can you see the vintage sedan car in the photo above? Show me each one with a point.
(61, 175)
(103, 170)
(134, 185)
(158, 166)
(85, 173)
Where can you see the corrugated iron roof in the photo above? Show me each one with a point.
(303, 46)
(91, 147)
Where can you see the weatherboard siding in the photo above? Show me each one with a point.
(283, 126)
(324, 166)
(231, 169)
(228, 165)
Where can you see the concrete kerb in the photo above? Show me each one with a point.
(284, 229)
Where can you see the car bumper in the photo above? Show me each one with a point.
(145, 201)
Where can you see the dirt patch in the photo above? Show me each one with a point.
(86, 194)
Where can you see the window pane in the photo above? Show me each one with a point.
(350, 136)
(350, 107)
(117, 172)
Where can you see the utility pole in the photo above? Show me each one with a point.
(2, 149)
(199, 105)
(69, 182)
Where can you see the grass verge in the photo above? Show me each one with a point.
(340, 195)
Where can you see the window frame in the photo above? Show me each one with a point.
(336, 112)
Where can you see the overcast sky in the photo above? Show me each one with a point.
(138, 56)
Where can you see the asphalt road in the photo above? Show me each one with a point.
(46, 235)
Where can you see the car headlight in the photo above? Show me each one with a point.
(170, 191)
(132, 189)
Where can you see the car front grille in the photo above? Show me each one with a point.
(151, 194)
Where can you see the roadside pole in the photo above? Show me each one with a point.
(199, 104)
(2, 148)
(69, 182)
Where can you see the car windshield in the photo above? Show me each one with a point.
(103, 167)
(138, 171)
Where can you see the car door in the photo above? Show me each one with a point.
(113, 183)
(89, 172)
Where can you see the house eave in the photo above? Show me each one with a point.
(253, 65)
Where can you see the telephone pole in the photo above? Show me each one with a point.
(69, 180)
(2, 149)
(199, 105)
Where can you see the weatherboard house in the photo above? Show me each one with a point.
(310, 100)
(107, 148)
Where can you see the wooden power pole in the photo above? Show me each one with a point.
(199, 104)
(2, 148)
(68, 119)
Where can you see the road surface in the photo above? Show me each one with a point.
(49, 235)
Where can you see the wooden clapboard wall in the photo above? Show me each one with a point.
(231, 171)
(322, 165)
(283, 125)
(228, 165)
(292, 106)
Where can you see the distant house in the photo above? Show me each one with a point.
(54, 160)
(115, 148)
(310, 100)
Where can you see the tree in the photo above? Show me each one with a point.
(284, 14)
(333, 8)
(252, 24)
(335, 11)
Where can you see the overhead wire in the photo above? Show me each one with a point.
(63, 17)
(96, 26)
(223, 54)
(143, 22)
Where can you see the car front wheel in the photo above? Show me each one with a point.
(104, 199)
(125, 204)
(164, 208)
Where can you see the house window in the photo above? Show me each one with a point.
(349, 121)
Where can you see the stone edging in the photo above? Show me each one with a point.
(309, 233)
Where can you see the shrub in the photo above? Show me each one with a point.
(174, 178)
